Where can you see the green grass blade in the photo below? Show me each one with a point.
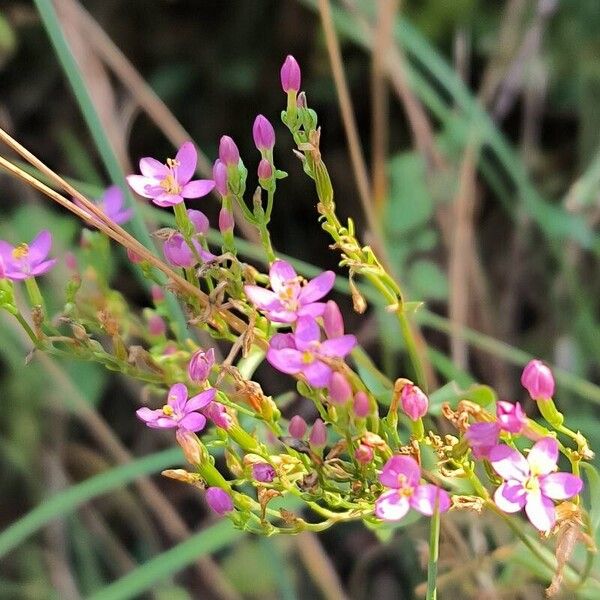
(77, 83)
(64, 502)
(168, 563)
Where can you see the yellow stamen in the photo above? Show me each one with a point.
(170, 185)
(307, 357)
(20, 251)
(168, 410)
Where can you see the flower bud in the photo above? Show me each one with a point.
(339, 389)
(219, 173)
(219, 500)
(263, 472)
(201, 364)
(361, 405)
(301, 101)
(414, 402)
(228, 152)
(364, 454)
(199, 221)
(263, 133)
(333, 322)
(318, 434)
(226, 221)
(290, 74)
(265, 170)
(178, 253)
(482, 437)
(297, 427)
(156, 326)
(537, 379)
(190, 446)
(70, 261)
(218, 414)
(157, 294)
(511, 417)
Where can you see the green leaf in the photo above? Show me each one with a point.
(426, 280)
(593, 486)
(483, 395)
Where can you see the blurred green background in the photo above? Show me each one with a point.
(488, 196)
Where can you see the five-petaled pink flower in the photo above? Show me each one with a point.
(111, 204)
(27, 260)
(168, 184)
(179, 411)
(289, 298)
(304, 352)
(532, 482)
(402, 474)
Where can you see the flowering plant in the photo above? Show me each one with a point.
(365, 457)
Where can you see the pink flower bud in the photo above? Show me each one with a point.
(339, 389)
(220, 177)
(263, 472)
(414, 402)
(537, 379)
(157, 294)
(133, 257)
(189, 444)
(226, 221)
(219, 500)
(265, 170)
(199, 221)
(263, 133)
(511, 417)
(156, 326)
(297, 427)
(218, 414)
(228, 152)
(333, 322)
(201, 364)
(364, 454)
(318, 434)
(361, 405)
(71, 261)
(290, 74)
(301, 101)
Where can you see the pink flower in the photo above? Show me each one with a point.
(414, 401)
(297, 427)
(168, 184)
(178, 252)
(201, 364)
(289, 298)
(263, 133)
(263, 472)
(179, 411)
(402, 474)
(511, 417)
(532, 482)
(290, 74)
(303, 352)
(219, 500)
(482, 437)
(537, 379)
(27, 260)
(111, 204)
(156, 325)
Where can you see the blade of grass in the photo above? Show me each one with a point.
(107, 154)
(168, 563)
(64, 502)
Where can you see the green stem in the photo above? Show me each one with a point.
(25, 325)
(35, 296)
(434, 551)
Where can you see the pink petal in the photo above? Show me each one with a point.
(281, 316)
(425, 497)
(543, 456)
(391, 506)
(6, 250)
(122, 216)
(509, 463)
(200, 400)
(560, 486)
(540, 511)
(314, 310)
(400, 471)
(282, 340)
(147, 415)
(193, 421)
(177, 397)
(140, 184)
(197, 188)
(163, 423)
(153, 169)
(166, 199)
(318, 374)
(338, 347)
(112, 200)
(40, 246)
(307, 333)
(317, 288)
(43, 267)
(199, 220)
(187, 157)
(280, 273)
(286, 360)
(510, 497)
(260, 297)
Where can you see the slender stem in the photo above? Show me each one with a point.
(35, 296)
(25, 325)
(434, 551)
